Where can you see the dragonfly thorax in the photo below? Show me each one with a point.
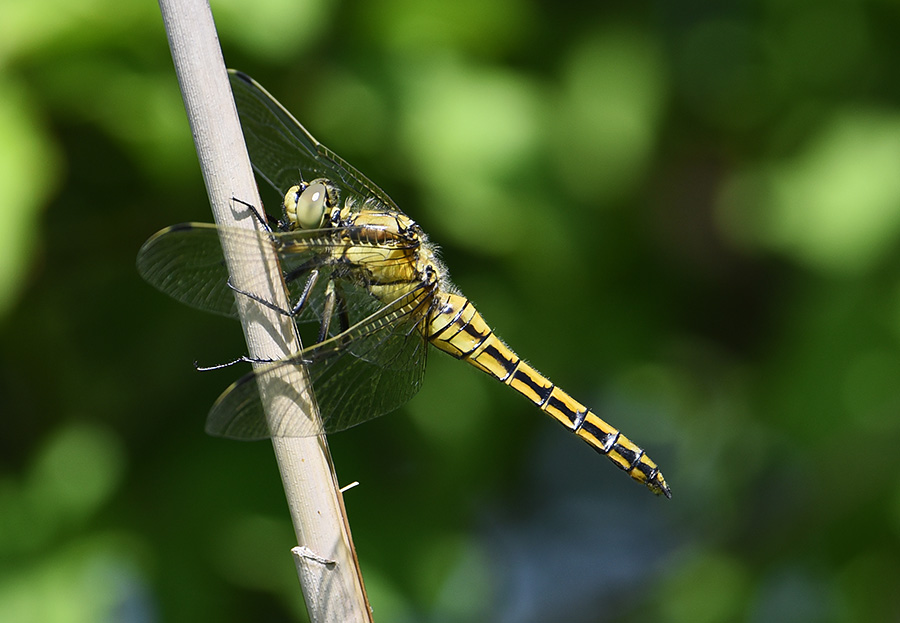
(386, 248)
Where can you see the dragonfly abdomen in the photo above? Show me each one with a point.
(458, 329)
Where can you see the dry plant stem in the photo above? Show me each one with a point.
(325, 559)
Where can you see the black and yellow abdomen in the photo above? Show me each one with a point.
(457, 328)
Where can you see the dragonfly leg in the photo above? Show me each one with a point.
(219, 366)
(259, 299)
(343, 311)
(245, 359)
(327, 311)
(304, 296)
(255, 212)
(294, 311)
(334, 301)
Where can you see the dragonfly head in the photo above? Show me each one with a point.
(307, 204)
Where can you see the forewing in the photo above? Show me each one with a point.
(284, 153)
(185, 261)
(369, 370)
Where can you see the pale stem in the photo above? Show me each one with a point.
(325, 559)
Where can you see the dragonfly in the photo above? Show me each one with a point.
(364, 281)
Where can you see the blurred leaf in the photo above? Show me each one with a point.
(141, 111)
(708, 589)
(274, 30)
(95, 579)
(53, 26)
(468, 129)
(77, 472)
(604, 125)
(819, 44)
(867, 587)
(871, 392)
(414, 26)
(251, 551)
(835, 206)
(453, 575)
(29, 175)
(795, 596)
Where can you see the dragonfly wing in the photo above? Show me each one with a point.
(238, 413)
(362, 373)
(185, 261)
(284, 153)
(376, 371)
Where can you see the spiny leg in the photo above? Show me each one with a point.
(327, 311)
(255, 212)
(310, 283)
(219, 366)
(343, 310)
(296, 309)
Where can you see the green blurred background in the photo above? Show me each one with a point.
(685, 213)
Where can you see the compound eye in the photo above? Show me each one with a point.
(308, 209)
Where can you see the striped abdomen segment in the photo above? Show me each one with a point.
(457, 328)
